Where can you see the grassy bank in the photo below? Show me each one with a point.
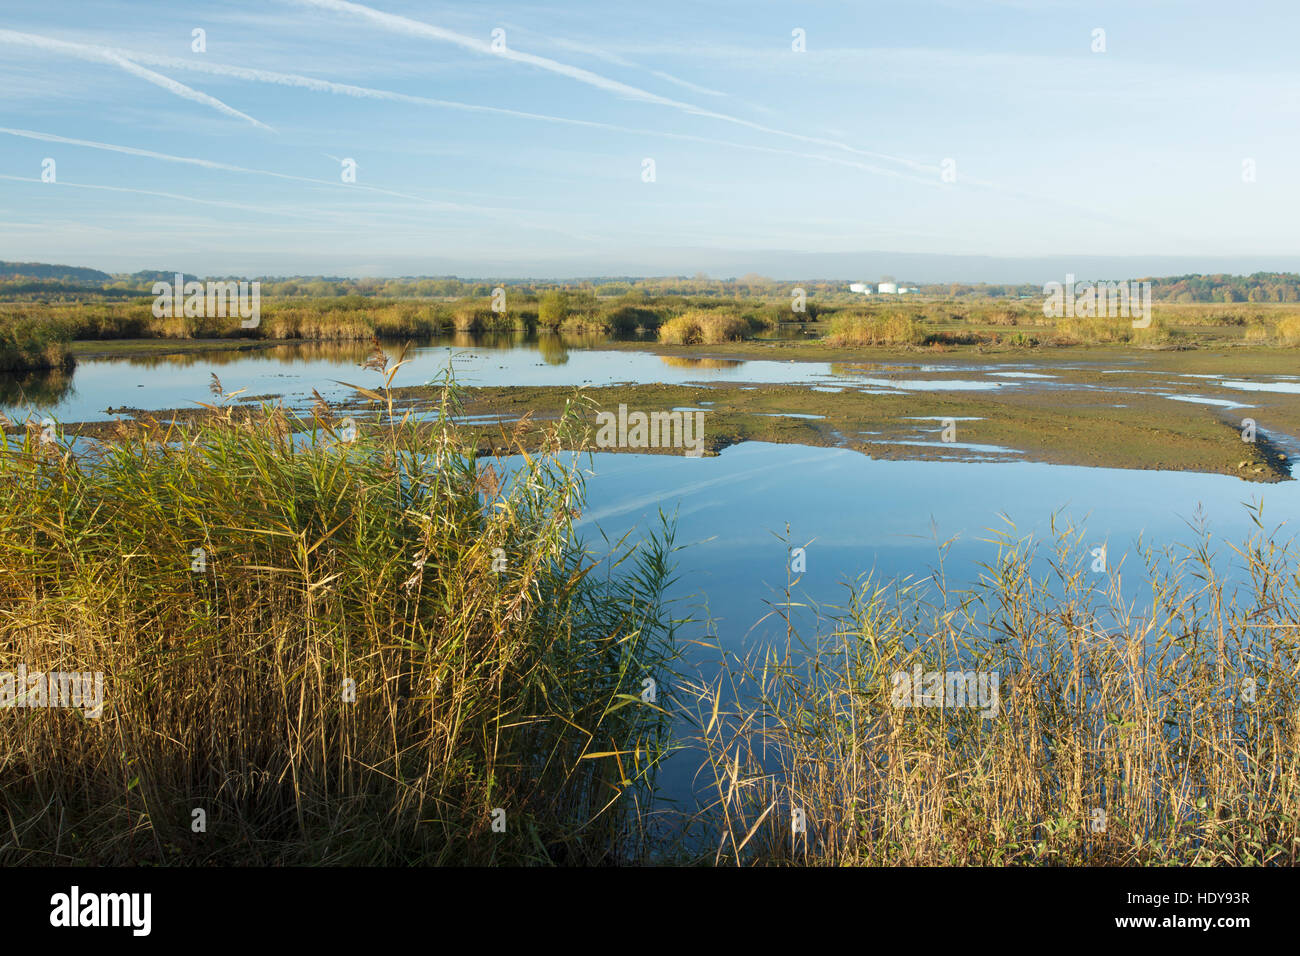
(342, 647)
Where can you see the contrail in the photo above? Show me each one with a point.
(104, 55)
(347, 216)
(417, 28)
(512, 215)
(693, 87)
(621, 61)
(364, 92)
(223, 203)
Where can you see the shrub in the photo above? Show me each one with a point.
(28, 343)
(890, 329)
(552, 309)
(1287, 330)
(1093, 330)
(626, 319)
(682, 330)
(704, 327)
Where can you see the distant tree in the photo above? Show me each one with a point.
(552, 309)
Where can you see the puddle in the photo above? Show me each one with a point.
(1288, 388)
(964, 446)
(1202, 400)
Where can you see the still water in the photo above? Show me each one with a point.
(856, 516)
(289, 372)
(853, 515)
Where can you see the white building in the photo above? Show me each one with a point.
(888, 288)
(862, 287)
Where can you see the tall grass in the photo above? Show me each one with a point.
(29, 343)
(883, 321)
(497, 664)
(705, 327)
(1104, 330)
(1124, 734)
(886, 329)
(1287, 330)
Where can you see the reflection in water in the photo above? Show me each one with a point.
(41, 388)
(295, 352)
(682, 361)
(862, 368)
(504, 339)
(790, 330)
(129, 376)
(738, 508)
(553, 348)
(145, 375)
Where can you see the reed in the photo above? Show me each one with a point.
(885, 329)
(497, 662)
(705, 327)
(30, 343)
(1162, 731)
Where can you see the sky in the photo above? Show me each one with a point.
(1006, 139)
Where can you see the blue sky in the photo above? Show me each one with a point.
(530, 162)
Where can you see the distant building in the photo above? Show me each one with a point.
(862, 287)
(888, 288)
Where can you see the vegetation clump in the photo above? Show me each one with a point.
(705, 327)
(29, 343)
(1056, 723)
(347, 642)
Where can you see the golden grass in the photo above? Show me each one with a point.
(1169, 735)
(704, 327)
(493, 666)
(29, 343)
(855, 329)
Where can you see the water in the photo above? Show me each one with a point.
(291, 371)
(853, 515)
(856, 516)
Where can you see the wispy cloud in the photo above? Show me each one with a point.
(364, 92)
(601, 54)
(686, 84)
(260, 209)
(514, 216)
(104, 55)
(346, 216)
(418, 28)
